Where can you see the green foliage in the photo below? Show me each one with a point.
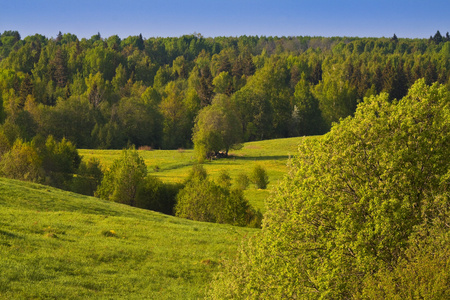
(5, 146)
(224, 178)
(123, 179)
(361, 212)
(197, 172)
(217, 128)
(42, 160)
(422, 273)
(60, 160)
(242, 181)
(279, 86)
(204, 200)
(175, 166)
(259, 177)
(22, 162)
(88, 177)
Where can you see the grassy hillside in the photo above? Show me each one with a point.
(174, 165)
(55, 244)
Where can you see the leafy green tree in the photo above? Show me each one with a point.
(223, 84)
(97, 89)
(204, 200)
(423, 273)
(5, 145)
(353, 207)
(337, 98)
(73, 119)
(141, 122)
(205, 89)
(259, 177)
(306, 115)
(22, 162)
(123, 179)
(181, 67)
(217, 128)
(60, 161)
(242, 181)
(177, 124)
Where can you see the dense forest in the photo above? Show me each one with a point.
(364, 210)
(111, 92)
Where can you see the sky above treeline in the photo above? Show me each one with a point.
(173, 18)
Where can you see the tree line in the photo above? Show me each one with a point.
(159, 92)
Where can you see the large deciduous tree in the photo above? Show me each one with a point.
(366, 203)
(217, 128)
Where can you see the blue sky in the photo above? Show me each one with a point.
(153, 18)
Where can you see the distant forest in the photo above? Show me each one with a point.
(112, 92)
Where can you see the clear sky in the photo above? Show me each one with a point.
(163, 18)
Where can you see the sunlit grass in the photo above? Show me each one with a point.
(60, 245)
(174, 165)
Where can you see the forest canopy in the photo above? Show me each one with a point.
(108, 92)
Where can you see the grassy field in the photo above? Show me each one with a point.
(60, 245)
(174, 165)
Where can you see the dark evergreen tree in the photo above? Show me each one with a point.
(437, 38)
(205, 88)
(394, 38)
(58, 68)
(59, 37)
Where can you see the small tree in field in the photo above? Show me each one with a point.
(259, 177)
(242, 181)
(122, 181)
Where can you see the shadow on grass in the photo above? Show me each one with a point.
(279, 157)
(9, 234)
(173, 167)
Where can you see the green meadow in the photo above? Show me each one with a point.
(60, 245)
(174, 165)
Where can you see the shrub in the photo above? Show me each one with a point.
(122, 181)
(22, 162)
(88, 177)
(224, 178)
(242, 181)
(259, 177)
(204, 200)
(197, 172)
(157, 196)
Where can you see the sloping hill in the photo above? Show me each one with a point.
(55, 244)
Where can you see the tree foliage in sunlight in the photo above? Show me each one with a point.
(363, 212)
